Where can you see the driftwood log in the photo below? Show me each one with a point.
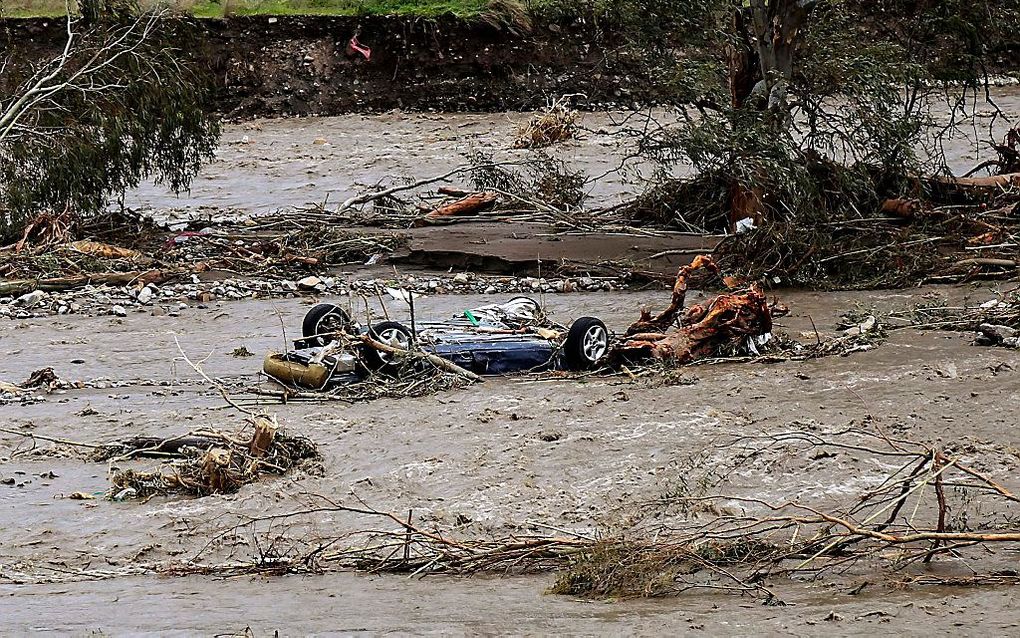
(142, 277)
(470, 205)
(1003, 181)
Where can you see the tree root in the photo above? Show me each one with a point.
(705, 329)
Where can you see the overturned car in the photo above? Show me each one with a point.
(515, 336)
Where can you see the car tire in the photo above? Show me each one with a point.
(323, 319)
(386, 332)
(586, 344)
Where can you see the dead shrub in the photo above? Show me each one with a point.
(623, 569)
(556, 124)
(507, 14)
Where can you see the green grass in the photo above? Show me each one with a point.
(222, 8)
(31, 8)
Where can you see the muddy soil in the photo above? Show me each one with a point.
(497, 457)
(274, 66)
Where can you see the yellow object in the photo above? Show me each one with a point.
(99, 249)
(292, 373)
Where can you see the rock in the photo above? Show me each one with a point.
(31, 299)
(145, 295)
(118, 311)
(997, 332)
(311, 283)
(461, 278)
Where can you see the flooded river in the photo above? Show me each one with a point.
(479, 456)
(491, 459)
(266, 165)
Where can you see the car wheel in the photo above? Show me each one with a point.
(586, 344)
(323, 320)
(391, 333)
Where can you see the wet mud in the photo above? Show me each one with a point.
(277, 66)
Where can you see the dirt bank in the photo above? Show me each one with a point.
(299, 65)
(272, 66)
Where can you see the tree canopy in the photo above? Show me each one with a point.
(117, 106)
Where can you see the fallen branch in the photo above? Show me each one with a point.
(49, 439)
(139, 277)
(387, 192)
(469, 205)
(437, 361)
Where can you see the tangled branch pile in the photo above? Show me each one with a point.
(968, 232)
(996, 322)
(910, 505)
(1001, 311)
(931, 503)
(730, 326)
(415, 377)
(204, 462)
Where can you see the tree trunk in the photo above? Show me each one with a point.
(760, 65)
(742, 60)
(777, 25)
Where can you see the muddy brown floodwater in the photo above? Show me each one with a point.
(508, 455)
(477, 455)
(266, 165)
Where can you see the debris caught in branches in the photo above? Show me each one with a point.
(557, 123)
(721, 324)
(203, 462)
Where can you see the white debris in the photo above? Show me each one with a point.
(402, 294)
(863, 327)
(31, 299)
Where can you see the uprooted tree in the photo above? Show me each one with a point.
(119, 104)
(799, 113)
